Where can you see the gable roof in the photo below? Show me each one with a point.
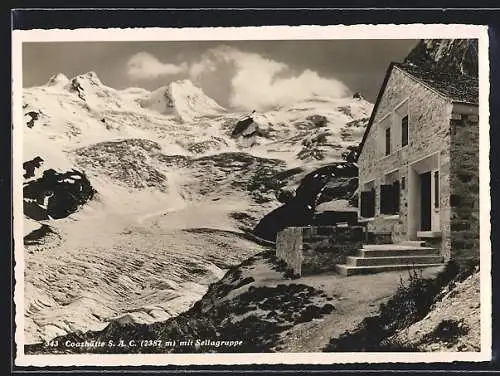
(458, 88)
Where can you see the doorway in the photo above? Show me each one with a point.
(423, 196)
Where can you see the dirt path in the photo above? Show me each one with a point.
(259, 289)
(354, 301)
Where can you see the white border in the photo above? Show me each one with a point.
(413, 31)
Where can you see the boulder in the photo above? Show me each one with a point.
(284, 195)
(318, 120)
(242, 125)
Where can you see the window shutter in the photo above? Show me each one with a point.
(364, 204)
(404, 131)
(397, 195)
(371, 203)
(388, 141)
(386, 199)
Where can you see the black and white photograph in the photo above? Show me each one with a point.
(195, 197)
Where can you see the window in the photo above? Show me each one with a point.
(368, 203)
(390, 193)
(436, 189)
(400, 129)
(387, 141)
(367, 200)
(386, 202)
(390, 198)
(396, 191)
(404, 131)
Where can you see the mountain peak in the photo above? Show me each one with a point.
(59, 79)
(90, 77)
(358, 95)
(186, 82)
(184, 99)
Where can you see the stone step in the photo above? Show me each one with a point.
(393, 260)
(402, 251)
(428, 234)
(315, 238)
(348, 270)
(414, 243)
(398, 246)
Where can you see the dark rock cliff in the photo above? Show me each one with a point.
(56, 194)
(454, 56)
(300, 209)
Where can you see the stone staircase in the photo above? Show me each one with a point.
(374, 258)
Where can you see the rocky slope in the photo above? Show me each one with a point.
(452, 324)
(454, 56)
(424, 314)
(240, 308)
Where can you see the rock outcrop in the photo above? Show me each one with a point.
(33, 115)
(299, 210)
(455, 56)
(56, 195)
(31, 165)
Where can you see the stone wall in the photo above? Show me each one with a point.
(329, 217)
(429, 132)
(321, 255)
(289, 248)
(464, 182)
(317, 249)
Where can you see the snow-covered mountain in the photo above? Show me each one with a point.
(317, 129)
(160, 187)
(59, 80)
(183, 99)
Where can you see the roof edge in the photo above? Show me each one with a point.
(375, 106)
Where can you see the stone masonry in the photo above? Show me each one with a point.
(289, 248)
(429, 132)
(464, 182)
(317, 249)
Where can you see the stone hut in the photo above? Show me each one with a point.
(419, 161)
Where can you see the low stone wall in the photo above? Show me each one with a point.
(312, 250)
(289, 248)
(320, 260)
(329, 217)
(381, 226)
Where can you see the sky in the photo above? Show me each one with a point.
(237, 74)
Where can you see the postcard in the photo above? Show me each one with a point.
(251, 195)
